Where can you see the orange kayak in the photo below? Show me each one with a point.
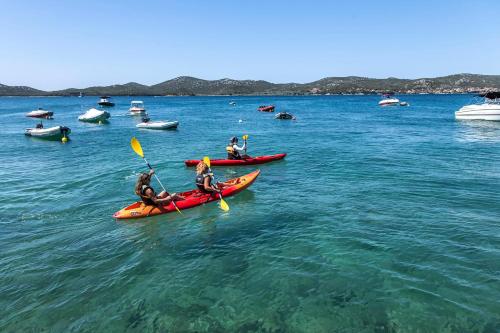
(192, 199)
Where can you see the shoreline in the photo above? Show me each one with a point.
(242, 95)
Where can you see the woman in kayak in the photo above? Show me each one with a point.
(144, 190)
(204, 179)
(233, 151)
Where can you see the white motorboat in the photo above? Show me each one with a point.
(104, 101)
(51, 133)
(94, 116)
(137, 108)
(158, 125)
(40, 113)
(388, 100)
(489, 109)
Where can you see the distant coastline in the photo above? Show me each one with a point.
(350, 85)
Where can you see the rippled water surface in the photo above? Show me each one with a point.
(379, 220)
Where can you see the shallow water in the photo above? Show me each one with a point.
(379, 220)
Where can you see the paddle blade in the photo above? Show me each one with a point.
(136, 146)
(223, 205)
(177, 208)
(245, 137)
(206, 160)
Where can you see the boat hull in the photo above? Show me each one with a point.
(284, 116)
(192, 199)
(137, 111)
(389, 102)
(269, 108)
(247, 161)
(479, 112)
(40, 114)
(94, 116)
(51, 133)
(159, 125)
(106, 104)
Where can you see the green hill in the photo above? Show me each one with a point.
(186, 86)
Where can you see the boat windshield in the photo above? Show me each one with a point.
(487, 98)
(137, 104)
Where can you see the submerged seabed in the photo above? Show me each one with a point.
(379, 220)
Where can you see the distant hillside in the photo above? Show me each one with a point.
(18, 91)
(185, 86)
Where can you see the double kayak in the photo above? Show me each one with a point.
(244, 161)
(192, 199)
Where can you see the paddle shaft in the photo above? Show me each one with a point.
(219, 193)
(158, 179)
(210, 171)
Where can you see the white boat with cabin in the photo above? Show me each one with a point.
(488, 109)
(40, 113)
(388, 100)
(137, 108)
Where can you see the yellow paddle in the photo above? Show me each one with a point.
(223, 204)
(245, 138)
(136, 146)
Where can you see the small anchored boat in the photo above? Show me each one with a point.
(285, 116)
(94, 116)
(137, 108)
(104, 101)
(388, 100)
(40, 113)
(266, 108)
(51, 133)
(157, 125)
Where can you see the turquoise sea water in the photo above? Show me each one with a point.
(379, 220)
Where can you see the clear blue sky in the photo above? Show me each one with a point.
(60, 44)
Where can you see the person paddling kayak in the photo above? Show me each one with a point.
(204, 179)
(148, 195)
(234, 151)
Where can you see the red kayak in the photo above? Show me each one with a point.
(245, 161)
(192, 199)
(266, 108)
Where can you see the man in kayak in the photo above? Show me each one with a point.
(204, 179)
(144, 190)
(234, 152)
